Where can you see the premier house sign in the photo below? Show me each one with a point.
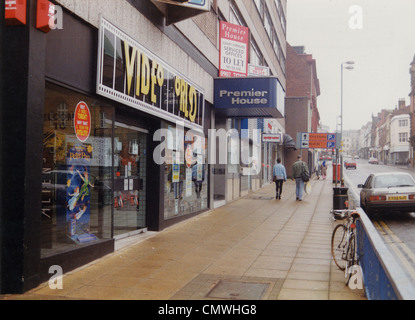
(130, 74)
(246, 97)
(249, 97)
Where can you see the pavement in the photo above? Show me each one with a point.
(255, 248)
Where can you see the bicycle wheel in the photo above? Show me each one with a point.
(351, 254)
(339, 246)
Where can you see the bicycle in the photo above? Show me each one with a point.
(343, 241)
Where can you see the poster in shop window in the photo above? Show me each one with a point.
(234, 45)
(78, 191)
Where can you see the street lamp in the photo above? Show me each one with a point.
(348, 65)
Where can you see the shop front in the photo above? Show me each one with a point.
(105, 173)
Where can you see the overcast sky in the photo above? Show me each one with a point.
(378, 35)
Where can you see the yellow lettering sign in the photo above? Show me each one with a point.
(149, 78)
(188, 96)
(146, 76)
(129, 64)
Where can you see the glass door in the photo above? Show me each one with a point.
(130, 173)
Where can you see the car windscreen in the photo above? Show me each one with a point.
(391, 181)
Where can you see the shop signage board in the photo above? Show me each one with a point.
(131, 74)
(249, 97)
(15, 12)
(317, 140)
(194, 4)
(254, 71)
(271, 137)
(234, 48)
(45, 11)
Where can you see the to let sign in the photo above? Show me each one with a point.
(271, 137)
(234, 45)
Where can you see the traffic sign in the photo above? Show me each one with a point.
(317, 140)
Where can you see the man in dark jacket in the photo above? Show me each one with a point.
(297, 169)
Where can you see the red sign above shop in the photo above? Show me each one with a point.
(15, 12)
(82, 121)
(45, 10)
(234, 45)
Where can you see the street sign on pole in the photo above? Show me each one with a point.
(317, 140)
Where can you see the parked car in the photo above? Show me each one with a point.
(373, 161)
(388, 192)
(350, 164)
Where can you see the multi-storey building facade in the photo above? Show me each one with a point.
(350, 142)
(399, 138)
(364, 141)
(303, 89)
(107, 124)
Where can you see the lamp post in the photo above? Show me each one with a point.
(349, 66)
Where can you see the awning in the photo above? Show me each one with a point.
(289, 142)
(179, 10)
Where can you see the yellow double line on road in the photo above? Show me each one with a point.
(401, 250)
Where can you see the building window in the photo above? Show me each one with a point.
(277, 46)
(403, 123)
(403, 137)
(278, 6)
(268, 24)
(235, 17)
(259, 6)
(255, 55)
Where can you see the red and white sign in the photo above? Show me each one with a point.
(254, 71)
(234, 48)
(82, 121)
(45, 11)
(15, 12)
(271, 137)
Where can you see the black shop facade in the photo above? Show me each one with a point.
(124, 148)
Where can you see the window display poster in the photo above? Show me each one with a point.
(82, 121)
(176, 173)
(189, 182)
(78, 192)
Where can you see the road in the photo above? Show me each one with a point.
(397, 229)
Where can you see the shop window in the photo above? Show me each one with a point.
(185, 177)
(130, 175)
(77, 195)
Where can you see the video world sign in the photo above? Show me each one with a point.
(131, 74)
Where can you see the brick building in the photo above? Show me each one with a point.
(303, 88)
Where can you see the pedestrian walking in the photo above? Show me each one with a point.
(297, 172)
(324, 170)
(280, 176)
